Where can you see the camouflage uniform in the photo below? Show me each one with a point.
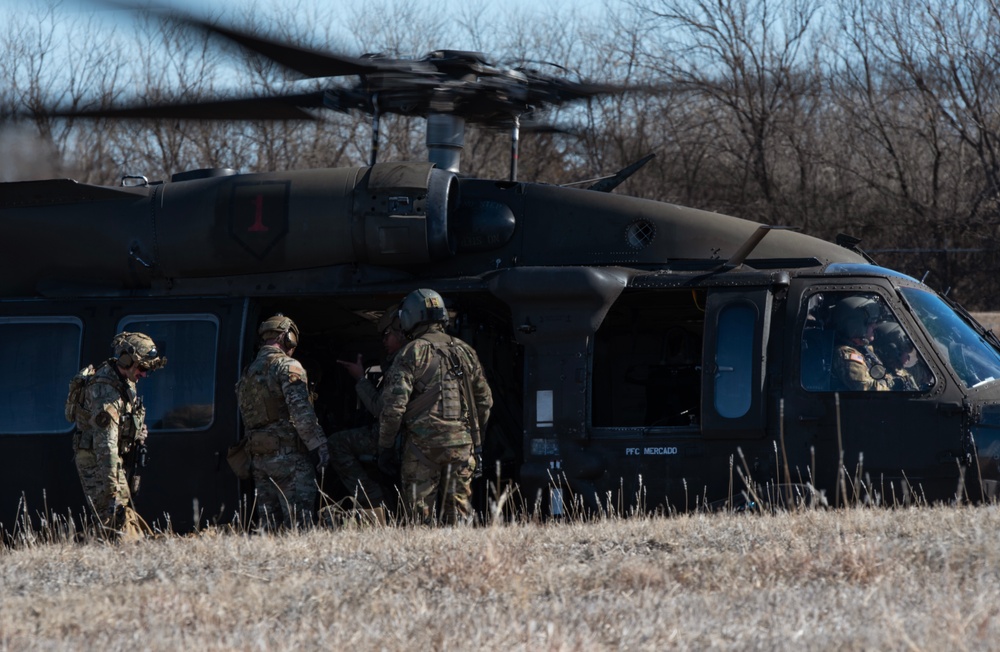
(282, 427)
(109, 425)
(348, 447)
(916, 378)
(900, 380)
(850, 370)
(438, 454)
(920, 375)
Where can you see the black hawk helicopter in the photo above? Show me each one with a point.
(638, 351)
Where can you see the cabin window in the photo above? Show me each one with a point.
(181, 395)
(734, 360)
(647, 356)
(853, 341)
(40, 356)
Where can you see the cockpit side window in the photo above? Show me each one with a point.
(852, 341)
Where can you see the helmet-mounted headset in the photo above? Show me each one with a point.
(283, 329)
(131, 349)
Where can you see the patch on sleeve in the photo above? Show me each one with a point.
(296, 371)
(103, 419)
(856, 357)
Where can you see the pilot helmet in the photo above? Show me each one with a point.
(852, 316)
(136, 349)
(890, 343)
(282, 328)
(421, 306)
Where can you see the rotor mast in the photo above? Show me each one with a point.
(445, 140)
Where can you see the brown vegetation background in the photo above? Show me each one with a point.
(855, 579)
(875, 118)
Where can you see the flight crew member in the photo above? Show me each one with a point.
(906, 372)
(286, 444)
(110, 428)
(855, 365)
(348, 447)
(436, 395)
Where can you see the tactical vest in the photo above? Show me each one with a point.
(130, 421)
(261, 399)
(447, 357)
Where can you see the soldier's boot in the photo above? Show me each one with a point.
(130, 526)
(374, 517)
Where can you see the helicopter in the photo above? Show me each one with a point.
(638, 351)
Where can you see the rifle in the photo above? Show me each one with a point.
(137, 455)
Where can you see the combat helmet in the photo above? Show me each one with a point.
(419, 307)
(136, 349)
(283, 328)
(852, 315)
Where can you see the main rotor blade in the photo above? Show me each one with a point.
(308, 62)
(288, 107)
(553, 90)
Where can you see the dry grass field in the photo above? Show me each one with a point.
(856, 579)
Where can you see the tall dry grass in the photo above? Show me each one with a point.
(855, 579)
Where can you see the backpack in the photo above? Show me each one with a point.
(74, 400)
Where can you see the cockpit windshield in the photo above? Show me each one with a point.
(975, 361)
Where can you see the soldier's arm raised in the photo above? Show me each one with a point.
(366, 391)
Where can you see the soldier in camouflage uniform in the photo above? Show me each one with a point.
(436, 394)
(110, 426)
(855, 365)
(286, 444)
(349, 447)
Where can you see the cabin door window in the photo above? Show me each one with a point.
(734, 360)
(737, 331)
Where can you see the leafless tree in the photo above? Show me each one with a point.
(747, 60)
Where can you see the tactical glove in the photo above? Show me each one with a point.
(478, 471)
(388, 463)
(321, 457)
